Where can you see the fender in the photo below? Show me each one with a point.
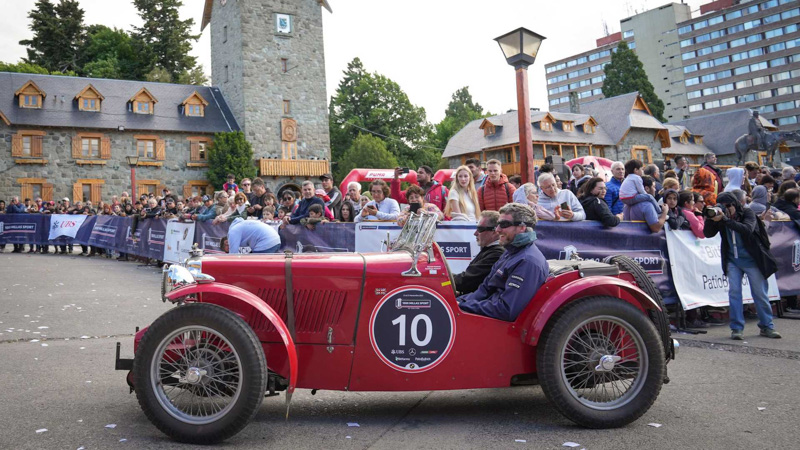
(246, 297)
(583, 287)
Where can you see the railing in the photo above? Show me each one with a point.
(513, 168)
(294, 167)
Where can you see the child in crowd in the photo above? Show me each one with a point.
(283, 212)
(632, 190)
(230, 184)
(315, 216)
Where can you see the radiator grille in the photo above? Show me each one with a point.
(314, 310)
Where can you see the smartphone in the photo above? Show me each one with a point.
(565, 205)
(414, 207)
(404, 170)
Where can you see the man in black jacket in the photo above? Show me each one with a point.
(743, 252)
(788, 204)
(491, 250)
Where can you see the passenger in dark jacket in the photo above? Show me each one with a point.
(479, 268)
(592, 197)
(301, 212)
(675, 217)
(788, 204)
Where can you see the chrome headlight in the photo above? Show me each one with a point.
(173, 277)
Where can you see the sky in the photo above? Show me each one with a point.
(431, 48)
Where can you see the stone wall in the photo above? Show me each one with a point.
(257, 86)
(635, 137)
(62, 170)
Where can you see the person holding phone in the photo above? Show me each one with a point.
(416, 203)
(560, 202)
(381, 207)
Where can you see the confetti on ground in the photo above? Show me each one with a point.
(353, 424)
(111, 425)
(43, 328)
(83, 348)
(348, 437)
(570, 444)
(761, 408)
(654, 425)
(41, 430)
(520, 440)
(44, 345)
(34, 340)
(123, 440)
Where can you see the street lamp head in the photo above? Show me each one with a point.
(520, 47)
(132, 160)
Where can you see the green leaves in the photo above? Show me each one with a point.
(625, 74)
(58, 33)
(231, 153)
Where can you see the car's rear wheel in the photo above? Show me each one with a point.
(200, 373)
(601, 362)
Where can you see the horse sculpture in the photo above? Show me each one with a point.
(771, 141)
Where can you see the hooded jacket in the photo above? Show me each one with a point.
(704, 183)
(597, 209)
(759, 203)
(745, 224)
(735, 177)
(494, 195)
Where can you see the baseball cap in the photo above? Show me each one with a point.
(65, 199)
(326, 175)
(206, 198)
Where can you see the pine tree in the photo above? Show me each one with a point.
(625, 74)
(108, 53)
(460, 111)
(69, 36)
(44, 25)
(164, 40)
(231, 153)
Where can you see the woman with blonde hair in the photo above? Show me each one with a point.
(462, 201)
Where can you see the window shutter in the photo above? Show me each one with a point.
(195, 150)
(77, 146)
(25, 191)
(16, 145)
(96, 193)
(105, 148)
(77, 192)
(160, 150)
(47, 192)
(187, 192)
(36, 146)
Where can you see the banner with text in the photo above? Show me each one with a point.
(21, 228)
(697, 274)
(65, 225)
(784, 238)
(178, 241)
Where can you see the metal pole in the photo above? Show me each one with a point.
(525, 133)
(133, 184)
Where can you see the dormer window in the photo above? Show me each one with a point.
(89, 99)
(568, 126)
(588, 128)
(143, 102)
(30, 96)
(684, 139)
(489, 130)
(545, 125)
(194, 105)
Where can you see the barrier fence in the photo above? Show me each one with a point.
(170, 241)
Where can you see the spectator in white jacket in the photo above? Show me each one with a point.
(381, 207)
(560, 202)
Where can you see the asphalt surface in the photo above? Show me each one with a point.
(69, 387)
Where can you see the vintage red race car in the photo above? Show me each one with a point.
(595, 336)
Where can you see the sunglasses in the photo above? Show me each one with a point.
(482, 229)
(246, 184)
(508, 223)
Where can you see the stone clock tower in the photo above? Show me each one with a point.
(268, 59)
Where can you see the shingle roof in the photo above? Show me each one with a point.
(678, 147)
(721, 130)
(60, 109)
(617, 115)
(471, 139)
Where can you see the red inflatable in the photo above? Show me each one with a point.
(444, 177)
(369, 175)
(601, 165)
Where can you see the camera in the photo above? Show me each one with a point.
(405, 170)
(714, 211)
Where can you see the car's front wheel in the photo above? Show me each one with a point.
(601, 362)
(200, 373)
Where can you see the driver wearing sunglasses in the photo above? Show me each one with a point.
(517, 275)
(481, 266)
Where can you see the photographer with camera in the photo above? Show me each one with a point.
(745, 250)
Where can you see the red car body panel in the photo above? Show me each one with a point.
(337, 296)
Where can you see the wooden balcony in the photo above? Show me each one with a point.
(513, 168)
(294, 167)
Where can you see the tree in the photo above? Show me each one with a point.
(158, 75)
(625, 74)
(460, 111)
(195, 76)
(370, 101)
(231, 153)
(368, 152)
(109, 53)
(164, 40)
(57, 35)
(23, 67)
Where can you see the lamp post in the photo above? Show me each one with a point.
(133, 161)
(520, 48)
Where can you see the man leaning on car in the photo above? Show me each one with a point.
(519, 272)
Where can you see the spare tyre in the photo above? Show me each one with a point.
(646, 284)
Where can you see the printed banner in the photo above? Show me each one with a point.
(153, 234)
(208, 236)
(21, 228)
(330, 237)
(785, 239)
(65, 225)
(105, 232)
(697, 274)
(179, 240)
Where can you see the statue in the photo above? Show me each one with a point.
(759, 139)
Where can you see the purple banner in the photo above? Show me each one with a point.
(22, 228)
(329, 237)
(207, 236)
(108, 232)
(785, 240)
(153, 232)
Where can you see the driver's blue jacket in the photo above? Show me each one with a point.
(511, 284)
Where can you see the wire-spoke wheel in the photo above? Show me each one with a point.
(200, 373)
(600, 362)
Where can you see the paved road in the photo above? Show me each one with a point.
(70, 388)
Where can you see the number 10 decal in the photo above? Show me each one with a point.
(412, 329)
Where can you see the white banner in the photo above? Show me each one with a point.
(65, 225)
(697, 272)
(457, 240)
(178, 241)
